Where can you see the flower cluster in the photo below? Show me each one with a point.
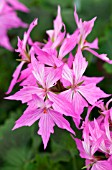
(54, 86)
(9, 19)
(96, 145)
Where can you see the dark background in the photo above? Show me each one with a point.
(22, 149)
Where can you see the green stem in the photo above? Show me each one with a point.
(74, 163)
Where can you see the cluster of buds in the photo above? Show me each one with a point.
(54, 87)
(9, 19)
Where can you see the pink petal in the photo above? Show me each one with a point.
(27, 34)
(88, 80)
(107, 104)
(29, 81)
(53, 77)
(38, 71)
(86, 146)
(44, 57)
(18, 6)
(68, 44)
(80, 148)
(25, 94)
(96, 145)
(4, 41)
(26, 73)
(10, 16)
(76, 16)
(46, 125)
(101, 56)
(93, 44)
(15, 77)
(22, 43)
(68, 94)
(28, 118)
(101, 165)
(70, 60)
(59, 40)
(58, 22)
(88, 26)
(86, 143)
(48, 57)
(50, 33)
(107, 129)
(92, 93)
(60, 121)
(84, 27)
(95, 131)
(79, 65)
(67, 74)
(78, 103)
(59, 104)
(35, 103)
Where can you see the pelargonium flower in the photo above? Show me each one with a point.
(54, 86)
(77, 91)
(9, 19)
(106, 120)
(25, 56)
(85, 28)
(42, 103)
(43, 88)
(40, 109)
(56, 36)
(90, 147)
(96, 143)
(17, 5)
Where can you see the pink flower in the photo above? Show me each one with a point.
(107, 118)
(43, 85)
(68, 44)
(48, 117)
(54, 86)
(48, 56)
(9, 20)
(17, 5)
(78, 89)
(56, 36)
(96, 143)
(25, 56)
(85, 28)
(92, 141)
(102, 165)
(86, 149)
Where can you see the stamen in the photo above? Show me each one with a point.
(45, 111)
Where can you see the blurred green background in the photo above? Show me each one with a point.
(22, 149)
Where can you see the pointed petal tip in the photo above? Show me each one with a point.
(59, 8)
(15, 127)
(72, 132)
(94, 18)
(35, 21)
(8, 97)
(45, 145)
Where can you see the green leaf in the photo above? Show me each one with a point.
(108, 68)
(9, 138)
(60, 156)
(30, 166)
(62, 140)
(17, 159)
